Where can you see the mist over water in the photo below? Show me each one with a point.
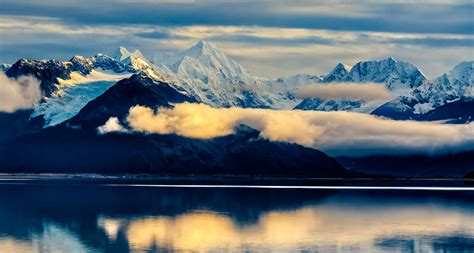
(92, 218)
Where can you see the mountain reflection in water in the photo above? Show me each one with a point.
(87, 218)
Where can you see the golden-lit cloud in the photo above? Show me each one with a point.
(195, 121)
(334, 132)
(345, 91)
(20, 93)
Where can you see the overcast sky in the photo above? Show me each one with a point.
(270, 38)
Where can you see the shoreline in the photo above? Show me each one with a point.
(226, 180)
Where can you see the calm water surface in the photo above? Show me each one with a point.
(93, 218)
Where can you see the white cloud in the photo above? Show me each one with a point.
(112, 125)
(338, 133)
(345, 91)
(20, 93)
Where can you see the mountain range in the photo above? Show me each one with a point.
(83, 93)
(206, 74)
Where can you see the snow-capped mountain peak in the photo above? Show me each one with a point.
(205, 61)
(454, 85)
(338, 74)
(206, 73)
(398, 76)
(463, 72)
(202, 48)
(121, 54)
(137, 61)
(133, 61)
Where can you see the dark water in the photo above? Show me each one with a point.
(93, 218)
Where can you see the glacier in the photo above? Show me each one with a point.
(64, 105)
(73, 94)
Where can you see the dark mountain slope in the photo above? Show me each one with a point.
(460, 111)
(18, 123)
(446, 165)
(75, 146)
(244, 153)
(117, 100)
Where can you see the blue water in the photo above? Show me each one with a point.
(94, 218)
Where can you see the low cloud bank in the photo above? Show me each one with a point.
(345, 91)
(20, 93)
(337, 133)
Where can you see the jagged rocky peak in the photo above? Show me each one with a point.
(338, 74)
(106, 62)
(82, 64)
(120, 54)
(47, 71)
(135, 61)
(4, 67)
(457, 84)
(205, 61)
(397, 75)
(202, 48)
(463, 73)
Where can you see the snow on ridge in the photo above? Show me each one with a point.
(94, 76)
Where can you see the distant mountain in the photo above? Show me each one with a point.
(51, 72)
(338, 74)
(46, 71)
(121, 53)
(459, 111)
(206, 62)
(139, 89)
(452, 86)
(5, 67)
(317, 104)
(68, 86)
(399, 77)
(415, 165)
(205, 73)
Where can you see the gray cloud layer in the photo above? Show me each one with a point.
(346, 91)
(364, 30)
(409, 17)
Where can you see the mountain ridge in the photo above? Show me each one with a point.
(206, 74)
(456, 84)
(399, 77)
